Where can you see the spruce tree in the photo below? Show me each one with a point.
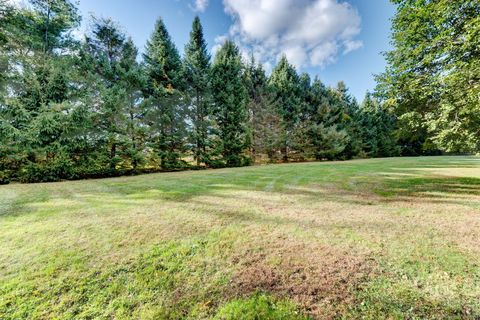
(300, 136)
(325, 138)
(73, 109)
(106, 48)
(132, 81)
(197, 71)
(230, 104)
(377, 129)
(54, 19)
(258, 102)
(35, 55)
(350, 121)
(165, 100)
(284, 82)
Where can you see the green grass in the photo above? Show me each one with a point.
(382, 238)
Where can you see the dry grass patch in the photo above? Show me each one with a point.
(320, 280)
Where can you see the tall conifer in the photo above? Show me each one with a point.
(197, 69)
(230, 99)
(164, 94)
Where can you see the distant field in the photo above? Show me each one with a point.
(384, 238)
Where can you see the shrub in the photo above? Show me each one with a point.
(59, 168)
(4, 177)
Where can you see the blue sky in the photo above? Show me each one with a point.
(334, 39)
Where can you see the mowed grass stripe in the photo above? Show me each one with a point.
(379, 238)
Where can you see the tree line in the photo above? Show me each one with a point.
(75, 108)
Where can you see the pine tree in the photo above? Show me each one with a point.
(54, 18)
(197, 67)
(132, 81)
(258, 111)
(106, 49)
(325, 138)
(377, 129)
(230, 99)
(300, 136)
(286, 92)
(38, 74)
(350, 122)
(164, 94)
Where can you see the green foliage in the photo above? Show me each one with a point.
(284, 83)
(324, 136)
(197, 70)
(60, 167)
(53, 19)
(74, 109)
(264, 126)
(230, 98)
(164, 98)
(4, 178)
(116, 83)
(432, 78)
(377, 129)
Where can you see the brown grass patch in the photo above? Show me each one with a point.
(319, 279)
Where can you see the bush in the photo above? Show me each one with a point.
(215, 163)
(59, 168)
(4, 178)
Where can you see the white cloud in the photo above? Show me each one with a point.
(311, 33)
(352, 45)
(16, 3)
(200, 5)
(295, 54)
(323, 54)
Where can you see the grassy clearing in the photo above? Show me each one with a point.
(382, 238)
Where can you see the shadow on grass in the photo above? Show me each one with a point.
(438, 190)
(363, 182)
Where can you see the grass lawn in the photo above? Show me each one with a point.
(385, 238)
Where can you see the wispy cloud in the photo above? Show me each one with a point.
(199, 5)
(311, 33)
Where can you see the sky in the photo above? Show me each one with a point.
(332, 39)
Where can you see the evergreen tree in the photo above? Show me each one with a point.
(349, 122)
(261, 123)
(326, 136)
(132, 81)
(305, 110)
(54, 19)
(284, 82)
(377, 129)
(7, 18)
(197, 67)
(230, 99)
(109, 54)
(164, 94)
(71, 109)
(39, 90)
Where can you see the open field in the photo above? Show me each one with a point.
(384, 238)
